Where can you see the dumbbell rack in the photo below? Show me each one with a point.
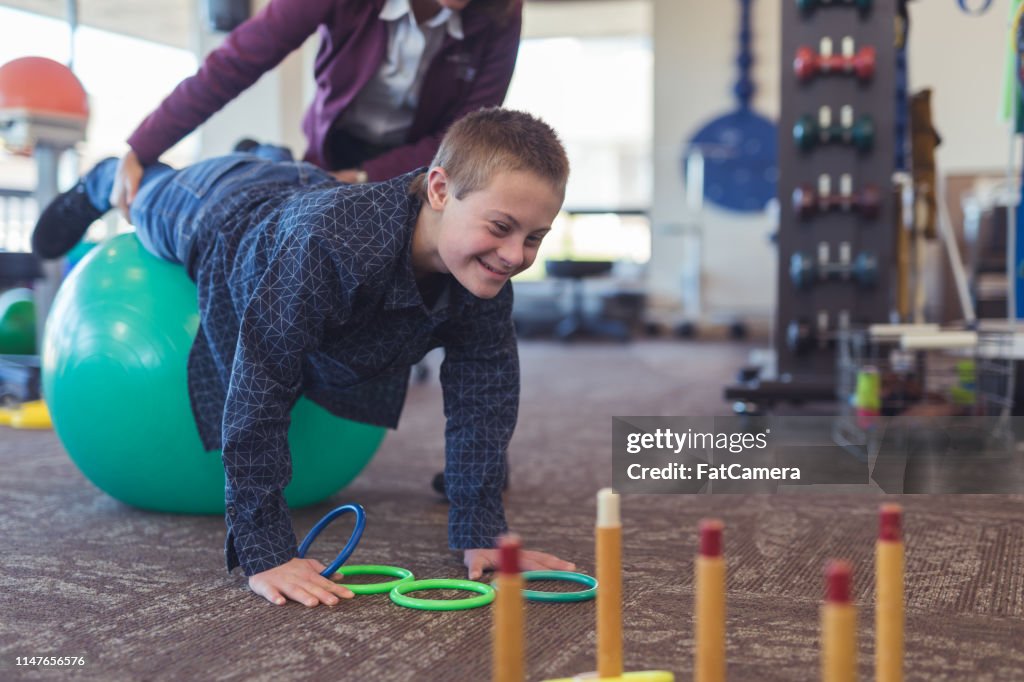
(807, 370)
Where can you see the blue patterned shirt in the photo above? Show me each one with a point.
(310, 291)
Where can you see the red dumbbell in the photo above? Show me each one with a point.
(866, 201)
(807, 64)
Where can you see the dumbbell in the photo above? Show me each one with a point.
(801, 337)
(807, 64)
(804, 270)
(807, 7)
(866, 201)
(808, 132)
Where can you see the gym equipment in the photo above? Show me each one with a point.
(44, 111)
(861, 64)
(28, 415)
(805, 370)
(740, 148)
(19, 378)
(807, 7)
(114, 376)
(801, 337)
(809, 132)
(982, 7)
(17, 322)
(486, 594)
(403, 575)
(41, 101)
(581, 595)
(805, 270)
(866, 201)
(350, 546)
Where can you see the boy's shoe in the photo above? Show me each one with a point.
(63, 223)
(246, 144)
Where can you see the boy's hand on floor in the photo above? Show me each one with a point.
(298, 580)
(480, 560)
(126, 183)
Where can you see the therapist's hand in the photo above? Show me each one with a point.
(126, 183)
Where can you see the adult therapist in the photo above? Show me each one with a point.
(391, 76)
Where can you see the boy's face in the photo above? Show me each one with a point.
(493, 234)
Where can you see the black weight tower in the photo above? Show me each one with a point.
(810, 312)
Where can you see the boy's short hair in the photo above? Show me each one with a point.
(488, 141)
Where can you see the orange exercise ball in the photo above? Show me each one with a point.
(42, 86)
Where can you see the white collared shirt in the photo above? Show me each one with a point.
(383, 111)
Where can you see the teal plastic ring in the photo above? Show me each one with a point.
(398, 595)
(404, 575)
(568, 576)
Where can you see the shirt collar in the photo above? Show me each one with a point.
(403, 292)
(394, 10)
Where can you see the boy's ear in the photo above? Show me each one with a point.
(437, 188)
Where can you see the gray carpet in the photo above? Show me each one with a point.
(144, 596)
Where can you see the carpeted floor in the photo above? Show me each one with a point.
(144, 596)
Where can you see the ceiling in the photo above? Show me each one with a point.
(162, 21)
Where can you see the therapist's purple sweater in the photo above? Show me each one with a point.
(466, 75)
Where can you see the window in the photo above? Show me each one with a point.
(596, 92)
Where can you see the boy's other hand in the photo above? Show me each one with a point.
(126, 183)
(298, 580)
(480, 560)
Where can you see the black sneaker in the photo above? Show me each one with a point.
(63, 223)
(246, 145)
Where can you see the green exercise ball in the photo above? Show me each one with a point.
(17, 322)
(114, 363)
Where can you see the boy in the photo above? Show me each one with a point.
(309, 286)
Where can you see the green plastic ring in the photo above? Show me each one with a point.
(568, 576)
(398, 595)
(404, 575)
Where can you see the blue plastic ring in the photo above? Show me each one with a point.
(350, 546)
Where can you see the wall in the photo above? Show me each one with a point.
(269, 111)
(695, 45)
(962, 58)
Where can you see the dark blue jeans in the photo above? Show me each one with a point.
(171, 204)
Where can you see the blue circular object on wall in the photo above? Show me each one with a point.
(740, 153)
(740, 149)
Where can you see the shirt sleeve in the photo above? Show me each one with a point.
(298, 294)
(480, 380)
(488, 90)
(252, 49)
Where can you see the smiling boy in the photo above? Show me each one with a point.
(310, 287)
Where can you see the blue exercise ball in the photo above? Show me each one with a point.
(114, 373)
